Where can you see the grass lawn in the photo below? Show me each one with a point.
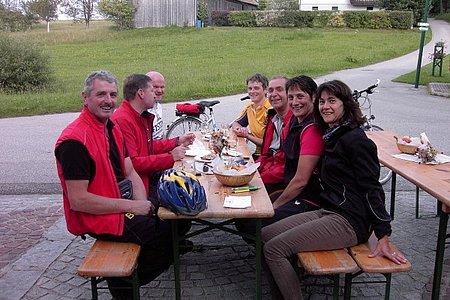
(426, 74)
(197, 63)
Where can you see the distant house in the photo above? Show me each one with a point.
(160, 13)
(339, 4)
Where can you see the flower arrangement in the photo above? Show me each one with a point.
(438, 53)
(218, 141)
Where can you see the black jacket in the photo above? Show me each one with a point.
(349, 172)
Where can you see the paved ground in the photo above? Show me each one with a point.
(38, 258)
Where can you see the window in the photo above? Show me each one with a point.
(315, 8)
(334, 8)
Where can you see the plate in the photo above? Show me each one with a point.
(200, 159)
(232, 153)
(199, 168)
(197, 152)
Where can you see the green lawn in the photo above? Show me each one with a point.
(426, 74)
(197, 63)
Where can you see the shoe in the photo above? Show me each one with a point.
(185, 246)
(119, 289)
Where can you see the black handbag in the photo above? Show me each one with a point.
(126, 189)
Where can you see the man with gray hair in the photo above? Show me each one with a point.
(159, 86)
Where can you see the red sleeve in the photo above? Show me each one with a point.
(311, 141)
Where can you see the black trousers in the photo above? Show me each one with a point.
(155, 238)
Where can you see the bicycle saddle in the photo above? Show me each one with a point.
(208, 103)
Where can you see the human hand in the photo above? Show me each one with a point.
(142, 207)
(187, 139)
(179, 152)
(241, 131)
(384, 248)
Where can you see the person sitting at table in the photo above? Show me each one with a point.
(254, 115)
(148, 156)
(353, 199)
(303, 148)
(272, 156)
(92, 164)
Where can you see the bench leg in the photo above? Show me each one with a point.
(393, 187)
(417, 202)
(348, 286)
(94, 288)
(387, 292)
(336, 286)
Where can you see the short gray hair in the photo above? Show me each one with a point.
(102, 75)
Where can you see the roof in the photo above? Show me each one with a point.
(252, 2)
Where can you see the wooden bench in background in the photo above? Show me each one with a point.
(111, 259)
(351, 263)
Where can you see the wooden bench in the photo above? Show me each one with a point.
(111, 259)
(352, 262)
(328, 263)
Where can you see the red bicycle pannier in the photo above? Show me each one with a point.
(189, 108)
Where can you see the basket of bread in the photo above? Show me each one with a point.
(408, 145)
(234, 172)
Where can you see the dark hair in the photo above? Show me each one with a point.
(133, 83)
(101, 75)
(342, 91)
(259, 78)
(304, 83)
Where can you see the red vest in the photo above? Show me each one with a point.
(91, 133)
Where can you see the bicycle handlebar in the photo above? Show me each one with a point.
(245, 98)
(369, 90)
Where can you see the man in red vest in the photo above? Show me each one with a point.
(103, 195)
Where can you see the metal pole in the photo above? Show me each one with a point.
(423, 28)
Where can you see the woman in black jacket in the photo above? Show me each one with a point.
(353, 199)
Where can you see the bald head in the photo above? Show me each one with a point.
(158, 83)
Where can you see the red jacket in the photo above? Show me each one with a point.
(148, 156)
(272, 167)
(91, 133)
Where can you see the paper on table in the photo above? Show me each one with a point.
(440, 158)
(237, 201)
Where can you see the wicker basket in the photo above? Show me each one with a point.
(409, 149)
(236, 180)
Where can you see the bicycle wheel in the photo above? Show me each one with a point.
(385, 173)
(182, 125)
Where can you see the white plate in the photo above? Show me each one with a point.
(199, 168)
(200, 159)
(197, 152)
(232, 153)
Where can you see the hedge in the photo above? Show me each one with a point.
(321, 19)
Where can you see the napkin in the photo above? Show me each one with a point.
(237, 201)
(440, 158)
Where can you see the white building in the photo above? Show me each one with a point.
(339, 5)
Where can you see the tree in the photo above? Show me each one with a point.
(416, 6)
(121, 12)
(202, 12)
(262, 4)
(80, 10)
(44, 9)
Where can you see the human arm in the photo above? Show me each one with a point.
(305, 168)
(384, 248)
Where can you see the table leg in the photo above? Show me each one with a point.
(393, 187)
(439, 260)
(176, 259)
(258, 259)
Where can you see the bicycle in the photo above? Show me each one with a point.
(192, 117)
(362, 97)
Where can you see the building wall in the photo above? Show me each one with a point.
(329, 4)
(160, 13)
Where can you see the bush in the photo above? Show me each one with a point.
(12, 21)
(23, 66)
(295, 18)
(401, 19)
(379, 20)
(220, 18)
(121, 12)
(242, 18)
